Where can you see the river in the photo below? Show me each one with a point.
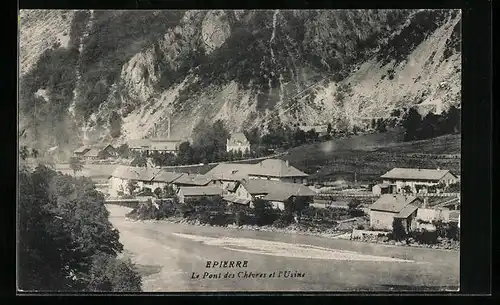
(171, 256)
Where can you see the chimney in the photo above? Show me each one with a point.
(426, 202)
(287, 164)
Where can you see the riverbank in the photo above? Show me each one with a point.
(443, 243)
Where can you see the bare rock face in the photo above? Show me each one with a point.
(215, 30)
(139, 74)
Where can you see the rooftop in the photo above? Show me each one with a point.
(199, 180)
(406, 211)
(415, 174)
(394, 203)
(235, 199)
(201, 191)
(82, 149)
(92, 153)
(165, 176)
(135, 173)
(231, 171)
(277, 188)
(276, 168)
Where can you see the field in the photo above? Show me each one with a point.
(371, 155)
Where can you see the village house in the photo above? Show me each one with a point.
(270, 169)
(150, 146)
(81, 151)
(381, 188)
(95, 151)
(122, 175)
(238, 142)
(276, 192)
(417, 179)
(164, 178)
(277, 170)
(230, 173)
(185, 194)
(321, 130)
(193, 180)
(394, 206)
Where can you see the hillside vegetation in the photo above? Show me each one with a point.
(370, 156)
(111, 75)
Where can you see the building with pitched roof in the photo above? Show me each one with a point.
(394, 206)
(95, 151)
(276, 192)
(417, 179)
(277, 170)
(159, 145)
(195, 192)
(381, 188)
(164, 178)
(187, 180)
(122, 175)
(229, 173)
(81, 151)
(237, 142)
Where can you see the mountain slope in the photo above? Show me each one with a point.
(119, 72)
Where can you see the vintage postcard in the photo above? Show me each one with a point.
(239, 150)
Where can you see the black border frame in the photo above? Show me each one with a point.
(477, 155)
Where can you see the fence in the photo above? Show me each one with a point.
(371, 195)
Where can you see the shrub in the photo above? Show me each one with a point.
(264, 212)
(353, 208)
(425, 237)
(398, 231)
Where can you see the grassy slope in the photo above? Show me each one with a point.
(370, 156)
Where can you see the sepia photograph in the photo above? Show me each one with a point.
(239, 150)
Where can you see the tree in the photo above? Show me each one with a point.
(253, 136)
(158, 192)
(168, 191)
(429, 127)
(132, 185)
(76, 164)
(123, 151)
(141, 160)
(311, 135)
(115, 124)
(63, 230)
(299, 137)
(398, 230)
(264, 213)
(353, 208)
(24, 152)
(185, 154)
(329, 129)
(381, 125)
(34, 153)
(407, 189)
(411, 123)
(452, 121)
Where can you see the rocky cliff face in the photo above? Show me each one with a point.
(118, 72)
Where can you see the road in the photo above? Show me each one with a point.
(167, 255)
